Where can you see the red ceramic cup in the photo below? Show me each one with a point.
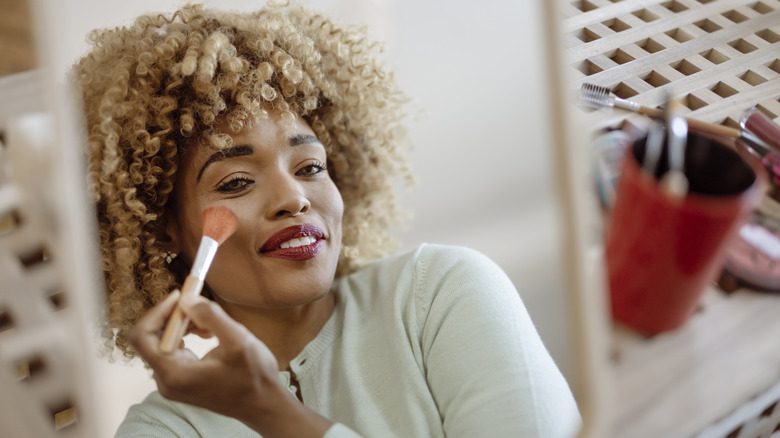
(662, 252)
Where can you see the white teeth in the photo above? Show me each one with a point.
(302, 241)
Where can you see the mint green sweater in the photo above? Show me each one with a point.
(431, 343)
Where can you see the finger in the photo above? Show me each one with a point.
(143, 336)
(209, 316)
(187, 354)
(154, 319)
(198, 331)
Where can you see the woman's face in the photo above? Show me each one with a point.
(286, 247)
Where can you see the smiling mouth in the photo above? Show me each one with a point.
(299, 242)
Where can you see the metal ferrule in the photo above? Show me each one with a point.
(206, 252)
(745, 116)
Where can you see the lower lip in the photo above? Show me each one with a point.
(300, 253)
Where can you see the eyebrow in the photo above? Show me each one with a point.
(244, 149)
(303, 139)
(224, 154)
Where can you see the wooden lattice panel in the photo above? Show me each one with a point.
(48, 272)
(44, 339)
(720, 56)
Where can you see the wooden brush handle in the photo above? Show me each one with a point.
(695, 124)
(178, 322)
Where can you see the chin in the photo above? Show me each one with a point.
(277, 291)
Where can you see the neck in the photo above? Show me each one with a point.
(284, 331)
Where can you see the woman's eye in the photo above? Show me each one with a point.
(312, 169)
(234, 184)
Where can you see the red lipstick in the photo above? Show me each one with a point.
(272, 246)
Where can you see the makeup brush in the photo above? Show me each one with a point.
(755, 122)
(674, 182)
(653, 148)
(597, 96)
(218, 224)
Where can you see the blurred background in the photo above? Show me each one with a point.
(481, 154)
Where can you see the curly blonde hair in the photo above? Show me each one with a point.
(153, 89)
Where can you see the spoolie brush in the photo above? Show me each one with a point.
(218, 224)
(597, 96)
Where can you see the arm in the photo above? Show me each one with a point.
(487, 368)
(238, 378)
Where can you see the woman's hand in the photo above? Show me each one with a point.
(238, 378)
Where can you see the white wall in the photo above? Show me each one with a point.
(482, 155)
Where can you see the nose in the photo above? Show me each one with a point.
(287, 198)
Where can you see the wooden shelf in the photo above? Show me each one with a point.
(677, 384)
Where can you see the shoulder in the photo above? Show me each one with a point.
(445, 269)
(154, 416)
(427, 259)
(160, 417)
(410, 284)
(424, 267)
(443, 274)
(419, 275)
(448, 259)
(154, 409)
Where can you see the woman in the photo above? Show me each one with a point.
(292, 123)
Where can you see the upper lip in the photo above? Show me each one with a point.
(292, 232)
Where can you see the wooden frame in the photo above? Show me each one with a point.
(49, 287)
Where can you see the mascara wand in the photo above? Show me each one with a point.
(597, 96)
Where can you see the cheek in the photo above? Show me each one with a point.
(249, 211)
(186, 231)
(336, 207)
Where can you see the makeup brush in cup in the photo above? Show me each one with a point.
(674, 182)
(653, 148)
(218, 224)
(597, 96)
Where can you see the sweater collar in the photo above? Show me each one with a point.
(303, 362)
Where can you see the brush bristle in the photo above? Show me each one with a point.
(219, 223)
(594, 95)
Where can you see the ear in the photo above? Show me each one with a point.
(171, 238)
